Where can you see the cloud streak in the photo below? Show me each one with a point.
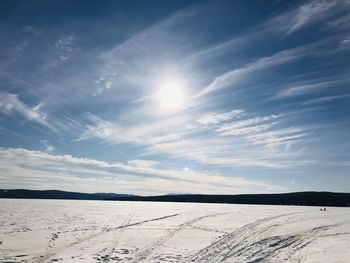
(10, 103)
(233, 76)
(312, 87)
(215, 118)
(137, 176)
(327, 99)
(217, 141)
(309, 13)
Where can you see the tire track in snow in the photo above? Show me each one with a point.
(142, 222)
(283, 246)
(142, 255)
(207, 229)
(240, 243)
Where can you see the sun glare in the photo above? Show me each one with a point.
(171, 95)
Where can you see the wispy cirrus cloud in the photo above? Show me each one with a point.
(233, 76)
(267, 131)
(279, 137)
(277, 27)
(327, 99)
(312, 86)
(214, 118)
(219, 152)
(209, 143)
(10, 103)
(311, 12)
(137, 132)
(324, 48)
(236, 125)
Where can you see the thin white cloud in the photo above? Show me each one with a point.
(266, 131)
(47, 146)
(143, 163)
(327, 99)
(10, 103)
(311, 86)
(215, 142)
(247, 130)
(269, 132)
(231, 77)
(309, 13)
(139, 131)
(237, 125)
(277, 27)
(218, 152)
(278, 138)
(215, 118)
(44, 170)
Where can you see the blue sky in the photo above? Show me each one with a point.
(155, 97)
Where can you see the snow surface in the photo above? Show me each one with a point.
(98, 231)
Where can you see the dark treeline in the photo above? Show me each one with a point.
(55, 194)
(299, 198)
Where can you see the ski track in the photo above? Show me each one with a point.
(107, 254)
(246, 245)
(52, 252)
(142, 255)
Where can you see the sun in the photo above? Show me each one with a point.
(171, 95)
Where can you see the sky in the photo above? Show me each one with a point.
(157, 97)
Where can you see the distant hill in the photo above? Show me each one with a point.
(298, 198)
(56, 194)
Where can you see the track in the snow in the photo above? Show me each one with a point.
(51, 253)
(255, 242)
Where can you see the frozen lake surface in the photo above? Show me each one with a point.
(97, 231)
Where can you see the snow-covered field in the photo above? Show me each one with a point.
(97, 231)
